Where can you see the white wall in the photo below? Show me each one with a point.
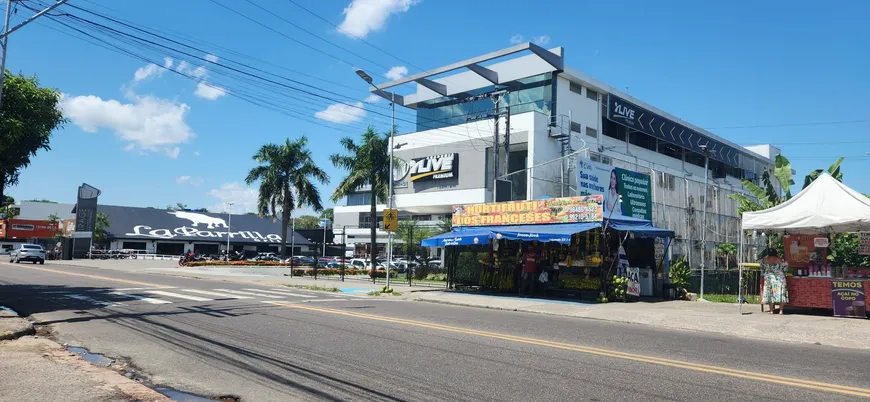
(581, 109)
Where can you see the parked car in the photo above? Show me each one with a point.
(358, 263)
(435, 264)
(28, 252)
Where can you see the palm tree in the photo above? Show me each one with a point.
(285, 173)
(368, 165)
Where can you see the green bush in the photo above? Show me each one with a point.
(680, 273)
(436, 277)
(382, 274)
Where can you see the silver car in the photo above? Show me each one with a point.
(28, 252)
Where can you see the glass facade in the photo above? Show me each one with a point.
(526, 95)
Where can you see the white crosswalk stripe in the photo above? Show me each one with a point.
(280, 293)
(142, 298)
(250, 293)
(177, 295)
(91, 300)
(221, 295)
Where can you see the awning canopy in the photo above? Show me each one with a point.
(826, 205)
(640, 227)
(559, 233)
(465, 237)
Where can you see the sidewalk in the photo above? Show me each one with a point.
(720, 318)
(37, 369)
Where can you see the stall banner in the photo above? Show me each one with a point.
(633, 286)
(552, 210)
(848, 298)
(864, 243)
(610, 182)
(800, 250)
(28, 229)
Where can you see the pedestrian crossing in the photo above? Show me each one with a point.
(170, 295)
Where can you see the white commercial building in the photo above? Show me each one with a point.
(561, 122)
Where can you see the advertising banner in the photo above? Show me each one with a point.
(28, 229)
(553, 210)
(848, 298)
(610, 182)
(864, 243)
(86, 208)
(633, 285)
(800, 250)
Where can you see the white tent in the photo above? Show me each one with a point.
(825, 206)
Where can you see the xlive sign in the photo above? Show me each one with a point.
(434, 167)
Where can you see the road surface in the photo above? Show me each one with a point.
(266, 343)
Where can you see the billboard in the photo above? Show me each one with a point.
(552, 210)
(27, 229)
(610, 182)
(86, 208)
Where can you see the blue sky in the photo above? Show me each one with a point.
(753, 72)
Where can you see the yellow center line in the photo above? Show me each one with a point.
(105, 278)
(749, 375)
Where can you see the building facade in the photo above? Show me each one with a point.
(560, 122)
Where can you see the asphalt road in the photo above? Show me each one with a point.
(278, 344)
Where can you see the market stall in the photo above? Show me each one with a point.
(807, 223)
(575, 249)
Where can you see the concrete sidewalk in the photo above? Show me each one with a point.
(721, 318)
(34, 368)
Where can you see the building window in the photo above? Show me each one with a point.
(576, 88)
(642, 140)
(421, 217)
(606, 160)
(363, 198)
(576, 127)
(592, 94)
(668, 149)
(694, 158)
(614, 130)
(591, 132)
(666, 181)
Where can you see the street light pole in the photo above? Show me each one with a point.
(704, 216)
(229, 227)
(367, 78)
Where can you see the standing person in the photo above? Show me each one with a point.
(611, 197)
(773, 269)
(530, 268)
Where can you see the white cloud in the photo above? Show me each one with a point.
(373, 99)
(244, 198)
(149, 70)
(542, 40)
(167, 62)
(208, 91)
(183, 67)
(146, 123)
(397, 72)
(364, 16)
(193, 181)
(195, 153)
(517, 39)
(212, 58)
(342, 113)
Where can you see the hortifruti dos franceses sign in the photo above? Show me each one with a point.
(553, 210)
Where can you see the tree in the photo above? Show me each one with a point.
(179, 206)
(834, 170)
(6, 204)
(285, 173)
(368, 165)
(102, 236)
(307, 222)
(54, 220)
(328, 213)
(766, 196)
(726, 251)
(251, 214)
(28, 116)
(445, 224)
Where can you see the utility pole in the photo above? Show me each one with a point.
(495, 161)
(507, 141)
(7, 30)
(229, 227)
(704, 216)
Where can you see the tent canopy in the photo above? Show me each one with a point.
(640, 227)
(467, 237)
(826, 205)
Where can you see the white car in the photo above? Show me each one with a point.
(28, 252)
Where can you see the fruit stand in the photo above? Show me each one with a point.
(575, 251)
(807, 222)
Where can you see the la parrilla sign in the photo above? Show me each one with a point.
(211, 230)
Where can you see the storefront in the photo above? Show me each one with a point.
(558, 247)
(808, 223)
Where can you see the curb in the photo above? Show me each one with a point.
(10, 335)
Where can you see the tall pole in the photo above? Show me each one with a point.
(229, 228)
(507, 143)
(324, 241)
(495, 161)
(292, 241)
(392, 148)
(704, 219)
(3, 44)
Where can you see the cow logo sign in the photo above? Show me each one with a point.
(197, 219)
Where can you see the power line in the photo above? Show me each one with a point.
(816, 123)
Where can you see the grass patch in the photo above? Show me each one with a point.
(315, 287)
(730, 298)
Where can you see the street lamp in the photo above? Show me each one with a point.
(706, 154)
(229, 225)
(367, 78)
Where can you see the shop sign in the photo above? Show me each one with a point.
(864, 243)
(28, 229)
(211, 230)
(659, 248)
(435, 167)
(821, 242)
(633, 285)
(552, 210)
(800, 250)
(640, 119)
(595, 178)
(848, 298)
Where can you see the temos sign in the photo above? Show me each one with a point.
(610, 182)
(435, 167)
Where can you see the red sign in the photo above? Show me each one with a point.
(28, 229)
(800, 250)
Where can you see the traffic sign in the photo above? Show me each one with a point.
(391, 220)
